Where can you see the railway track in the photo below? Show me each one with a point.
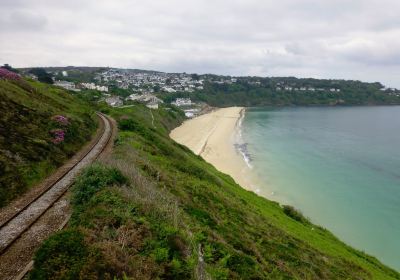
(22, 220)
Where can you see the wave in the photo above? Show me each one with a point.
(241, 146)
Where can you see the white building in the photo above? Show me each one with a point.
(114, 101)
(169, 89)
(182, 102)
(67, 85)
(95, 87)
(133, 97)
(150, 100)
(152, 105)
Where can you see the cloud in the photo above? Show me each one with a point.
(22, 21)
(332, 39)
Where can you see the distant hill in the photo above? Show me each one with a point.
(41, 126)
(223, 91)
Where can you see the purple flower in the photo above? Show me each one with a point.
(8, 75)
(58, 135)
(60, 120)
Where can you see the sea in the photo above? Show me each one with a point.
(340, 166)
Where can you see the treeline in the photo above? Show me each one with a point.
(255, 91)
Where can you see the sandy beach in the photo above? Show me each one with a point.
(212, 136)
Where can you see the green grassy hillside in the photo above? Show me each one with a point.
(35, 138)
(258, 91)
(154, 210)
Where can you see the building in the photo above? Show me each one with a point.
(133, 97)
(66, 85)
(152, 105)
(95, 87)
(191, 113)
(169, 89)
(182, 102)
(114, 101)
(149, 99)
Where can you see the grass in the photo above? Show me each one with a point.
(27, 153)
(154, 210)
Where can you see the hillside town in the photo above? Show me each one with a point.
(123, 87)
(148, 80)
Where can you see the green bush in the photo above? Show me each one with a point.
(243, 265)
(161, 254)
(62, 256)
(202, 216)
(129, 124)
(294, 214)
(92, 180)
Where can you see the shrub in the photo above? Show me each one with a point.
(294, 214)
(9, 75)
(92, 180)
(58, 135)
(202, 216)
(42, 75)
(243, 265)
(61, 120)
(161, 254)
(130, 125)
(62, 256)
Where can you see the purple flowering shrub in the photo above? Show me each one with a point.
(9, 75)
(58, 135)
(16, 79)
(61, 120)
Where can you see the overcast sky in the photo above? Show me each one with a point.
(352, 39)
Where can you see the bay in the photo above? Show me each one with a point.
(340, 166)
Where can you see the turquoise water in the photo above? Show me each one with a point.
(339, 165)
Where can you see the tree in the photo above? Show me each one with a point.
(42, 75)
(156, 88)
(9, 68)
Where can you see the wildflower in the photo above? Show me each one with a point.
(58, 136)
(60, 120)
(8, 75)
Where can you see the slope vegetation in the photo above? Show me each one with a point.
(154, 210)
(40, 127)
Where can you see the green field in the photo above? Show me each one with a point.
(154, 210)
(28, 152)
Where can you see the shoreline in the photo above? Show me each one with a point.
(216, 137)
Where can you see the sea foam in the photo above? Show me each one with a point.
(240, 145)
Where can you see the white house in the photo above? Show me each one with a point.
(150, 100)
(95, 87)
(182, 102)
(114, 101)
(190, 113)
(67, 85)
(168, 89)
(152, 105)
